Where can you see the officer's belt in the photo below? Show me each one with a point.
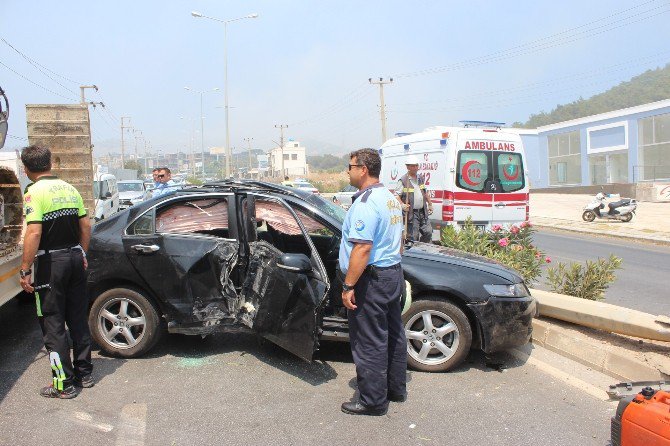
(42, 252)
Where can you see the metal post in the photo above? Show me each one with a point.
(202, 137)
(281, 128)
(382, 109)
(123, 147)
(227, 150)
(248, 140)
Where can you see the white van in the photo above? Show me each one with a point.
(106, 195)
(476, 172)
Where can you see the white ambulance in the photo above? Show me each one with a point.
(475, 171)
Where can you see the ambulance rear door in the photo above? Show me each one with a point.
(510, 203)
(474, 182)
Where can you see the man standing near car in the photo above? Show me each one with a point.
(372, 288)
(54, 268)
(165, 183)
(411, 192)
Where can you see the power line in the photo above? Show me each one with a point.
(35, 63)
(531, 86)
(549, 41)
(36, 84)
(336, 106)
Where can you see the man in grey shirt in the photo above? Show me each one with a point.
(411, 192)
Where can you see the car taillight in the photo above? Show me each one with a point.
(527, 207)
(448, 206)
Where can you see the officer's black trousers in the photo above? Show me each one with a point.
(377, 336)
(64, 302)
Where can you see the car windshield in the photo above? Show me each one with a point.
(304, 185)
(131, 187)
(327, 207)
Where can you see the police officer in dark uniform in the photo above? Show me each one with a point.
(54, 268)
(372, 288)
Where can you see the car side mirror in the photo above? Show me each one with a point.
(108, 195)
(298, 263)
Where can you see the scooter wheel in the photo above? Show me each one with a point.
(589, 216)
(627, 217)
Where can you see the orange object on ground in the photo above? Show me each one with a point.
(643, 420)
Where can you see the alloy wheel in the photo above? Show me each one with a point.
(121, 323)
(432, 337)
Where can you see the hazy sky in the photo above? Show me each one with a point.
(307, 64)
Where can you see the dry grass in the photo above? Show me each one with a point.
(328, 182)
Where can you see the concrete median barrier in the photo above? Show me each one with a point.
(603, 316)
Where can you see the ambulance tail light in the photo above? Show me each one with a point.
(448, 206)
(527, 207)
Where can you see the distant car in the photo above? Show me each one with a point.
(106, 195)
(250, 256)
(131, 192)
(302, 185)
(343, 197)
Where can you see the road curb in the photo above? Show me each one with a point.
(592, 354)
(649, 239)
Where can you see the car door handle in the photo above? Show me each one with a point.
(146, 249)
(500, 205)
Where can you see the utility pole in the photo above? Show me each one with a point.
(382, 110)
(248, 140)
(281, 128)
(123, 147)
(146, 165)
(82, 88)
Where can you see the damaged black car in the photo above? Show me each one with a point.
(262, 258)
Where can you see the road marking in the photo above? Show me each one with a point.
(563, 376)
(132, 426)
(87, 419)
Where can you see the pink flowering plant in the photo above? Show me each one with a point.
(512, 246)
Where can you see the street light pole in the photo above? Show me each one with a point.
(202, 125)
(196, 14)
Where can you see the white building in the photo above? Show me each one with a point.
(291, 161)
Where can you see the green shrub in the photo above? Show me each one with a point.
(586, 281)
(511, 247)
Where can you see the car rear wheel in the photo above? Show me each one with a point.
(438, 335)
(589, 216)
(124, 323)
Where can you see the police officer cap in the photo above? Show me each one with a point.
(412, 160)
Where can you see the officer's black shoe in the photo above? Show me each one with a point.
(67, 393)
(356, 408)
(397, 397)
(84, 381)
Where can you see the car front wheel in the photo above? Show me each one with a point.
(124, 323)
(438, 335)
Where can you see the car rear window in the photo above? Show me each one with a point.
(473, 170)
(205, 216)
(509, 171)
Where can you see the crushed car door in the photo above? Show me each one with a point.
(185, 255)
(286, 282)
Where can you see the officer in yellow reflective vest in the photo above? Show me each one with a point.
(54, 268)
(411, 192)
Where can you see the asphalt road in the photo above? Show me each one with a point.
(231, 389)
(642, 281)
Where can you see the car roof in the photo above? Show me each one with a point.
(130, 181)
(233, 185)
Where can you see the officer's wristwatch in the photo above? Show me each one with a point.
(346, 287)
(23, 273)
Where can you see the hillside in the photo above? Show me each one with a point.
(650, 86)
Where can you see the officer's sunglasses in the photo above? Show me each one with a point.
(160, 176)
(355, 165)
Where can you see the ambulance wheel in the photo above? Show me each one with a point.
(124, 323)
(627, 217)
(438, 335)
(589, 216)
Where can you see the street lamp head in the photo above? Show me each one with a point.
(215, 89)
(196, 14)
(187, 88)
(253, 15)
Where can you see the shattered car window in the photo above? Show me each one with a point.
(143, 225)
(276, 216)
(204, 216)
(327, 207)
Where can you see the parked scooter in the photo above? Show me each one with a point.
(622, 210)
